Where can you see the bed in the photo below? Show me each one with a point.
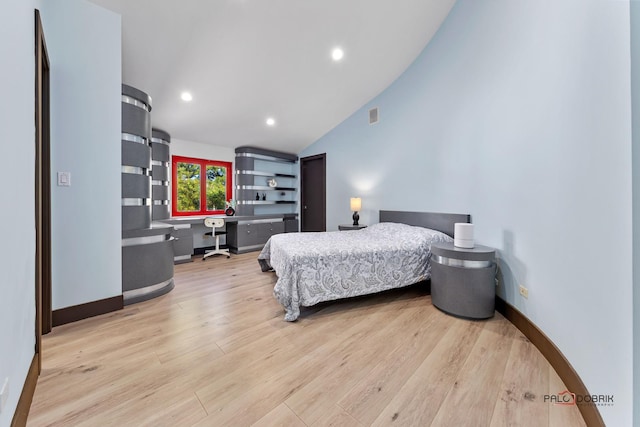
(326, 266)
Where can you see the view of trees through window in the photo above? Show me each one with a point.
(190, 184)
(216, 187)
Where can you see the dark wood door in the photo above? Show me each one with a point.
(313, 211)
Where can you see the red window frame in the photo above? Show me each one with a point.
(203, 184)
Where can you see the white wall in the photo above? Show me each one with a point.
(17, 253)
(181, 147)
(84, 43)
(519, 114)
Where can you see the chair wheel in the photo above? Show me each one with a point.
(228, 256)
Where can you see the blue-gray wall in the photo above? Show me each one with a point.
(84, 43)
(518, 113)
(17, 252)
(635, 97)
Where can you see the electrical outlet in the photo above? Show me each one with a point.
(524, 291)
(4, 394)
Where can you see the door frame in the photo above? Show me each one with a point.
(303, 161)
(42, 189)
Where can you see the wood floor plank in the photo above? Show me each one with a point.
(281, 416)
(419, 399)
(337, 417)
(352, 362)
(472, 398)
(368, 398)
(289, 371)
(562, 415)
(216, 351)
(525, 382)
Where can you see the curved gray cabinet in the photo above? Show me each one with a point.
(463, 280)
(147, 263)
(136, 159)
(160, 174)
(147, 248)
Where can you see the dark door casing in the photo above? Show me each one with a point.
(42, 186)
(313, 212)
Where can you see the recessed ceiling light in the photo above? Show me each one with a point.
(337, 54)
(186, 96)
(270, 121)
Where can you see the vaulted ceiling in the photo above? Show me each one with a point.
(244, 61)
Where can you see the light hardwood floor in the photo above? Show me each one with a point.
(216, 351)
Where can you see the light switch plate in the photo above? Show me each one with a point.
(64, 179)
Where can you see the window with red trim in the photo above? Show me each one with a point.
(199, 186)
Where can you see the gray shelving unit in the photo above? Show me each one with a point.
(255, 169)
(271, 208)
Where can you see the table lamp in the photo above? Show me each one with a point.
(356, 205)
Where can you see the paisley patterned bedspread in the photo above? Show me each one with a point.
(316, 267)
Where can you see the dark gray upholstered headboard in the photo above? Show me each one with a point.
(443, 222)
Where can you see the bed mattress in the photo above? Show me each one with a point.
(316, 267)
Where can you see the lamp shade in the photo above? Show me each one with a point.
(356, 204)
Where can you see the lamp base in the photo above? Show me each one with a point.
(355, 217)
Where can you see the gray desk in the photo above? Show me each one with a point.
(463, 280)
(245, 233)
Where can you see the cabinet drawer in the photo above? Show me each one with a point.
(248, 235)
(268, 229)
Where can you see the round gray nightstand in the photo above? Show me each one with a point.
(343, 227)
(463, 280)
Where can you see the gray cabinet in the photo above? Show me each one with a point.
(251, 235)
(182, 243)
(247, 235)
(290, 225)
(463, 280)
(268, 229)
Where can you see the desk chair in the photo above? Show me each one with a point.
(215, 223)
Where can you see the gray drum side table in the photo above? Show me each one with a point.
(463, 280)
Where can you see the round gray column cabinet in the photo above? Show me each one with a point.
(147, 247)
(463, 280)
(160, 173)
(136, 159)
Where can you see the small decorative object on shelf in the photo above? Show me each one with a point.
(264, 196)
(257, 196)
(272, 183)
(230, 208)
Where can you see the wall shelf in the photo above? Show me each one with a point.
(266, 202)
(263, 173)
(264, 188)
(255, 167)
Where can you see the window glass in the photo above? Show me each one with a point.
(216, 187)
(188, 182)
